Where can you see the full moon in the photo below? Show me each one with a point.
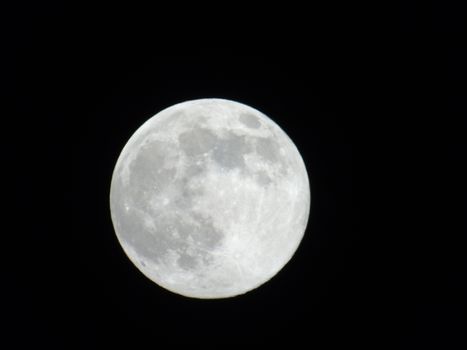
(210, 198)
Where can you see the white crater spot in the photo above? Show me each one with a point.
(210, 198)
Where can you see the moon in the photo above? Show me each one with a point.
(209, 198)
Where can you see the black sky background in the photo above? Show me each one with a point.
(378, 116)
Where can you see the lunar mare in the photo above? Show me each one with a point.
(209, 198)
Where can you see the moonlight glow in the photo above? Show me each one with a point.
(210, 198)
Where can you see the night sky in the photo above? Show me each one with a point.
(378, 116)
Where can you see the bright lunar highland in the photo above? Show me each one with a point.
(210, 198)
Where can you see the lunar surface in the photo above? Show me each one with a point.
(210, 198)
